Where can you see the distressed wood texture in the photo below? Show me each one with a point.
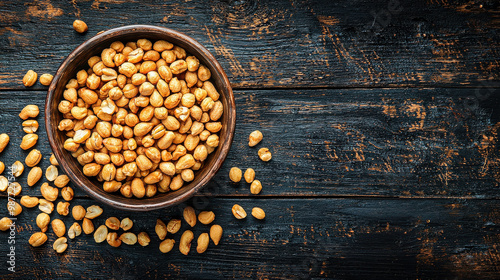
(368, 142)
(280, 43)
(382, 116)
(300, 239)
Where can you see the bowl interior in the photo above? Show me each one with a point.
(77, 60)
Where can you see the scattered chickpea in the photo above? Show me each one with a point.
(143, 239)
(60, 245)
(235, 174)
(5, 223)
(265, 154)
(249, 175)
(206, 217)
(190, 216)
(78, 212)
(42, 221)
(258, 213)
(167, 245)
(185, 242)
(80, 26)
(37, 239)
(203, 241)
(30, 126)
(30, 111)
(46, 79)
(128, 238)
(238, 212)
(126, 224)
(53, 160)
(256, 187)
(216, 234)
(30, 78)
(4, 140)
(254, 138)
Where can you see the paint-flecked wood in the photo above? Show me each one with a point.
(343, 157)
(299, 239)
(280, 43)
(369, 142)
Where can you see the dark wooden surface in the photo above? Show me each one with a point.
(383, 119)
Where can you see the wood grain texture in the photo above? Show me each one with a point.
(369, 142)
(299, 239)
(382, 117)
(280, 43)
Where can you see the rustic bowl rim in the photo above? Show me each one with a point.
(226, 89)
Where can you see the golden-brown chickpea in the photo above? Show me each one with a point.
(144, 44)
(203, 73)
(147, 66)
(135, 56)
(46, 79)
(211, 91)
(151, 55)
(175, 85)
(191, 78)
(128, 69)
(192, 63)
(93, 81)
(80, 26)
(169, 56)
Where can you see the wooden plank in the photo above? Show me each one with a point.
(280, 43)
(299, 239)
(377, 142)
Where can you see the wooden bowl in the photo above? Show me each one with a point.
(77, 60)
